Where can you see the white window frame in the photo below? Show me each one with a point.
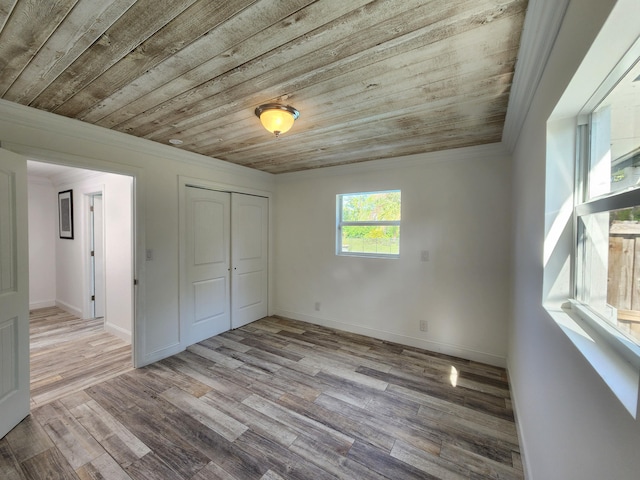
(612, 201)
(340, 223)
(613, 356)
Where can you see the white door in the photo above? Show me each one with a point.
(97, 256)
(14, 292)
(249, 233)
(205, 296)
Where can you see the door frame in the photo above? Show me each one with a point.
(138, 241)
(186, 181)
(90, 281)
(86, 194)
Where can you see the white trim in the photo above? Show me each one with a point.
(466, 154)
(619, 375)
(616, 75)
(340, 223)
(75, 311)
(42, 304)
(625, 347)
(612, 201)
(221, 187)
(522, 438)
(541, 27)
(613, 40)
(119, 332)
(160, 354)
(71, 160)
(140, 358)
(437, 347)
(82, 229)
(57, 124)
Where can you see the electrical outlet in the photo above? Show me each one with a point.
(423, 325)
(317, 306)
(424, 255)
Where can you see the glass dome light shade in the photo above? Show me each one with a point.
(277, 118)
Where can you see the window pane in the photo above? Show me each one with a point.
(383, 240)
(610, 278)
(371, 207)
(615, 138)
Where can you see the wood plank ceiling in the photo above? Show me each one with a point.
(371, 79)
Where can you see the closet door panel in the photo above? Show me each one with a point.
(249, 233)
(206, 289)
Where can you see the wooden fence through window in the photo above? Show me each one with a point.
(623, 285)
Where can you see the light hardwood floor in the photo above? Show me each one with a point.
(278, 399)
(69, 354)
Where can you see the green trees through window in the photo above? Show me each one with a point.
(369, 223)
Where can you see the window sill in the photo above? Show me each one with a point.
(620, 375)
(367, 255)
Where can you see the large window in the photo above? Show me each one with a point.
(607, 265)
(368, 224)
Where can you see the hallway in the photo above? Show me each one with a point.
(69, 354)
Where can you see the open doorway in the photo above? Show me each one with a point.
(81, 281)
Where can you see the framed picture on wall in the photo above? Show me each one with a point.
(65, 214)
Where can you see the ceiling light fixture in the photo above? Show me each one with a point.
(175, 141)
(277, 118)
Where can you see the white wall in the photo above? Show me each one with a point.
(59, 268)
(44, 136)
(73, 277)
(118, 255)
(43, 216)
(455, 204)
(571, 425)
(70, 262)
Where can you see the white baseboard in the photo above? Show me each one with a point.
(69, 308)
(160, 354)
(117, 331)
(42, 304)
(432, 346)
(521, 437)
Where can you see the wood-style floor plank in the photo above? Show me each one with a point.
(50, 465)
(69, 354)
(274, 400)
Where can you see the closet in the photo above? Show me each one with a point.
(223, 262)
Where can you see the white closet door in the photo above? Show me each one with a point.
(206, 295)
(14, 292)
(249, 231)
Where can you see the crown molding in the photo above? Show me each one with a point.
(541, 27)
(465, 154)
(59, 125)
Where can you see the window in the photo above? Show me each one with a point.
(607, 258)
(368, 224)
(588, 201)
